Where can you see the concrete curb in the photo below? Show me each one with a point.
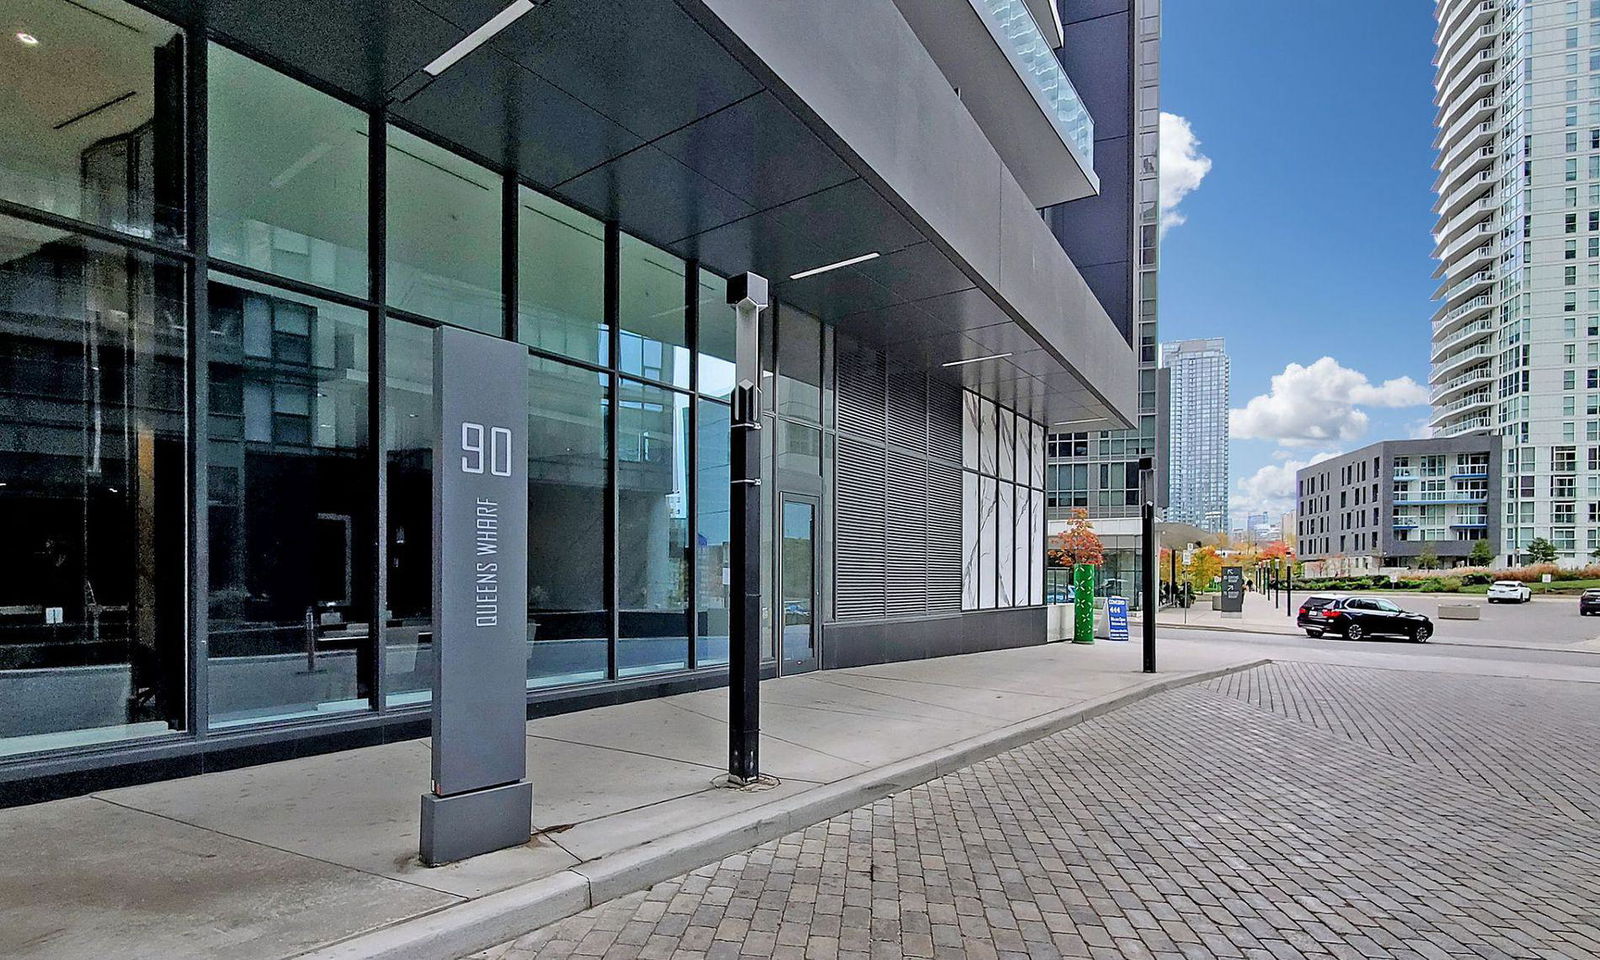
(478, 924)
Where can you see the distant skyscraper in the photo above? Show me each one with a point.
(1198, 468)
(1516, 332)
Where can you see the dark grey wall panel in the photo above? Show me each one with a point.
(861, 644)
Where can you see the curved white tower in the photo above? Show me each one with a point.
(1467, 239)
(1516, 336)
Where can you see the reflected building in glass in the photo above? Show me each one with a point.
(224, 251)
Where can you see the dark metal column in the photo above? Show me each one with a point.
(1150, 556)
(747, 293)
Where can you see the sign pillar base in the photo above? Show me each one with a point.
(468, 824)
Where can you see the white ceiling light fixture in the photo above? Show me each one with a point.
(992, 356)
(835, 266)
(478, 37)
(27, 39)
(1068, 423)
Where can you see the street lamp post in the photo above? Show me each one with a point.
(1148, 621)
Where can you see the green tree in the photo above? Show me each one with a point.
(1428, 559)
(1482, 554)
(1540, 550)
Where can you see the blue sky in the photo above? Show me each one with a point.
(1309, 235)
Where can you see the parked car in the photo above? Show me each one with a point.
(1589, 602)
(1509, 591)
(1356, 618)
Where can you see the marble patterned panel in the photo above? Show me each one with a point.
(970, 405)
(1005, 550)
(969, 540)
(1023, 545)
(987, 495)
(1007, 445)
(988, 435)
(1036, 587)
(1038, 455)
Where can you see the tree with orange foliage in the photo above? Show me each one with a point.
(1276, 550)
(1078, 543)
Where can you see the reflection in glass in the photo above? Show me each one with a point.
(716, 342)
(409, 429)
(569, 622)
(799, 365)
(652, 313)
(652, 529)
(799, 448)
(92, 494)
(799, 581)
(444, 235)
(94, 115)
(289, 517)
(288, 175)
(561, 279)
(713, 597)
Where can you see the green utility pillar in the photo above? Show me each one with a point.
(1082, 603)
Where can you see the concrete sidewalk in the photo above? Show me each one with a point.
(301, 856)
(1546, 623)
(318, 855)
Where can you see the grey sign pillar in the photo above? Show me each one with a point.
(747, 293)
(480, 800)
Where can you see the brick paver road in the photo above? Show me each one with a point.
(1294, 811)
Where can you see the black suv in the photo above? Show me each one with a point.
(1589, 602)
(1356, 618)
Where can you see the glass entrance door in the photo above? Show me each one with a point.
(797, 580)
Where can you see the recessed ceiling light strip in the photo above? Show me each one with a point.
(478, 37)
(835, 266)
(994, 356)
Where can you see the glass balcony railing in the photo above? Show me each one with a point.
(1019, 36)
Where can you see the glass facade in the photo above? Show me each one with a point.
(217, 468)
(312, 367)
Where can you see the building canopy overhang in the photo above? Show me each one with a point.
(769, 137)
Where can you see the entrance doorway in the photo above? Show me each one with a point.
(797, 585)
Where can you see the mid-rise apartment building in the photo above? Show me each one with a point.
(1197, 471)
(1516, 337)
(1390, 504)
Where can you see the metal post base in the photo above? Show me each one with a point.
(468, 824)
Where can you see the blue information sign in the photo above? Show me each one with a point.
(1117, 617)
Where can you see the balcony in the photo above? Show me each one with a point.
(1460, 18)
(1453, 290)
(1473, 189)
(1457, 360)
(1463, 381)
(1482, 110)
(1005, 69)
(1476, 330)
(1465, 426)
(1449, 251)
(1466, 65)
(1481, 85)
(1479, 398)
(1453, 175)
(1445, 319)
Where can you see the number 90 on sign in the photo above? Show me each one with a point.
(475, 456)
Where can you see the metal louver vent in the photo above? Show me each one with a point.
(906, 587)
(860, 398)
(944, 538)
(859, 528)
(908, 408)
(944, 422)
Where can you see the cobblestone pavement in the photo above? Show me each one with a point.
(1294, 811)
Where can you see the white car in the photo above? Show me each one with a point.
(1509, 591)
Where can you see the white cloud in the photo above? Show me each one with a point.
(1183, 166)
(1320, 403)
(1270, 490)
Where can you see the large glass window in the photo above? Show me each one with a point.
(652, 528)
(561, 280)
(288, 175)
(92, 491)
(94, 114)
(444, 235)
(716, 342)
(799, 365)
(713, 535)
(569, 619)
(289, 497)
(652, 313)
(409, 428)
